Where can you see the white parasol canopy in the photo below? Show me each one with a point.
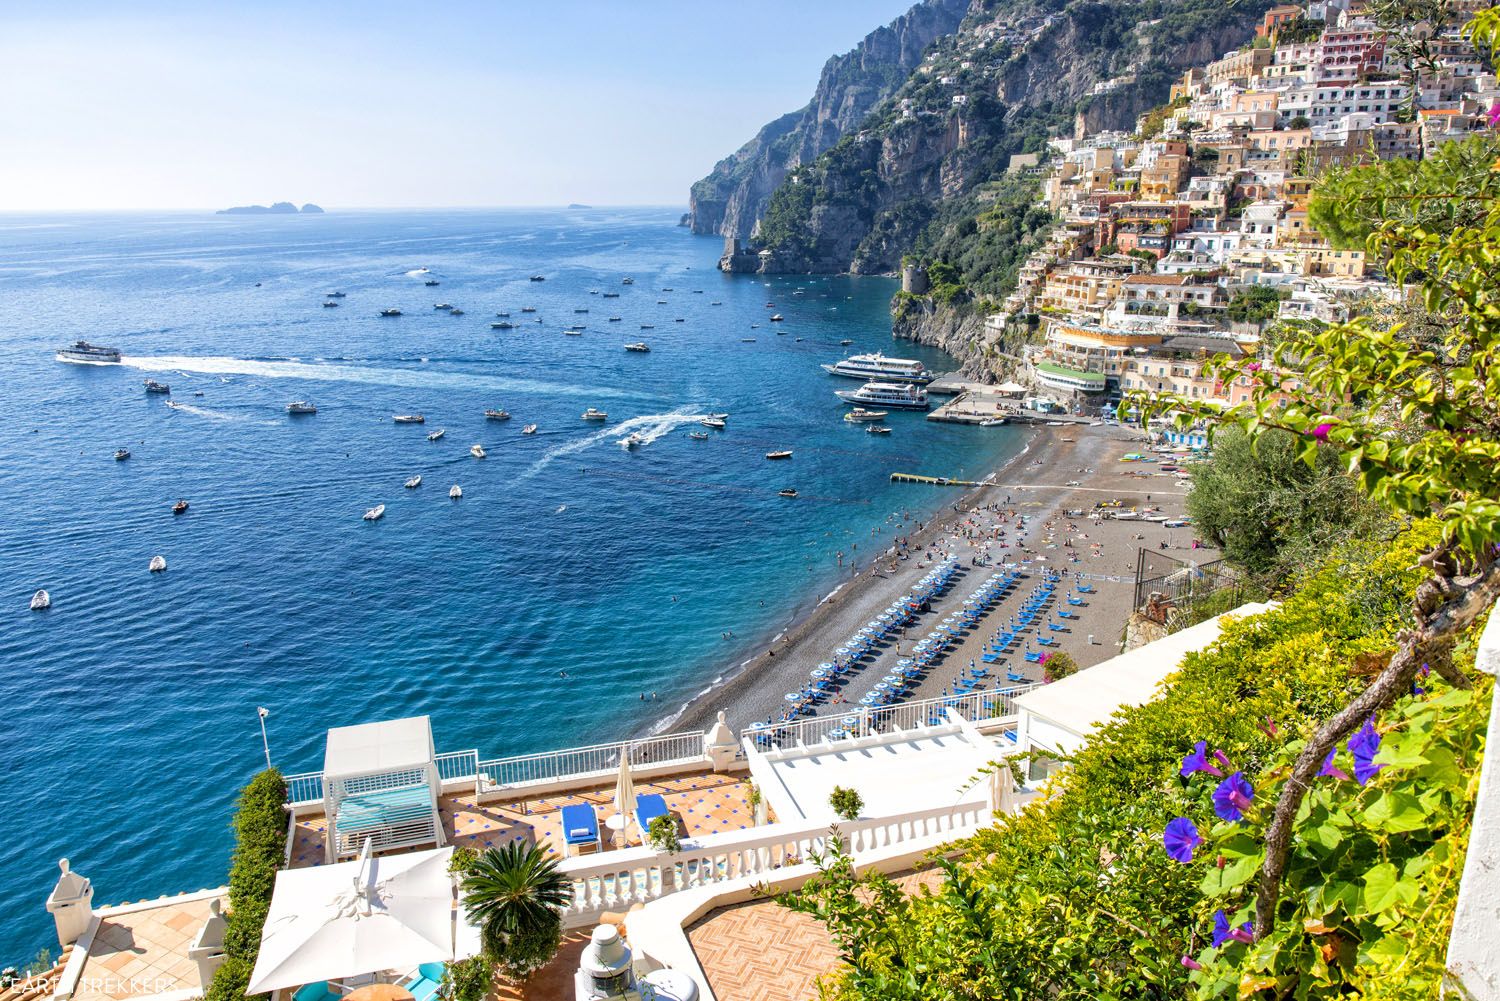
(358, 917)
(625, 796)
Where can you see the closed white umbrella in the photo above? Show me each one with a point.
(359, 917)
(1003, 790)
(625, 795)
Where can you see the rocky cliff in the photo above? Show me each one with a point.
(731, 200)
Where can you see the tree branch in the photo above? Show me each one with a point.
(1430, 642)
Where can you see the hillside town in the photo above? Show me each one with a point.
(1190, 237)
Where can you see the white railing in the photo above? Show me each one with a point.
(616, 880)
(597, 760)
(976, 707)
(306, 788)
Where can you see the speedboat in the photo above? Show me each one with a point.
(529, 429)
(41, 601)
(877, 367)
(992, 422)
(719, 417)
(197, 392)
(614, 319)
(375, 513)
(661, 302)
(592, 414)
(84, 353)
(121, 454)
(171, 404)
(648, 326)
(611, 295)
(506, 316)
(497, 415)
(627, 281)
(455, 492)
(638, 346)
(896, 396)
(859, 414)
(432, 283)
(716, 302)
(575, 331)
(526, 309)
(877, 429)
(583, 310)
(413, 483)
(329, 304)
(784, 453)
(788, 492)
(152, 386)
(713, 422)
(698, 435)
(455, 311)
(334, 295)
(777, 318)
(476, 450)
(179, 507)
(301, 407)
(409, 419)
(502, 325)
(434, 436)
(747, 340)
(390, 312)
(157, 564)
(632, 440)
(442, 305)
(538, 278)
(845, 343)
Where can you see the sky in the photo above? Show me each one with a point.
(363, 103)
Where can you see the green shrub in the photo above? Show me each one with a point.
(260, 828)
(847, 803)
(661, 833)
(467, 979)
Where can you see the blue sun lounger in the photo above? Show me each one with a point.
(1013, 676)
(580, 826)
(647, 809)
(1034, 657)
(1067, 615)
(1077, 602)
(1045, 640)
(1086, 588)
(990, 658)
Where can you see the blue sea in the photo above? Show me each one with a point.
(131, 704)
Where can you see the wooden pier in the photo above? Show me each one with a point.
(936, 481)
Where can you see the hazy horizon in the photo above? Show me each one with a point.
(171, 107)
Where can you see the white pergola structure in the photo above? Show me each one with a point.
(381, 785)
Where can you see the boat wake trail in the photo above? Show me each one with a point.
(649, 426)
(404, 378)
(215, 415)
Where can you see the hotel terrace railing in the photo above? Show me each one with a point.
(994, 707)
(616, 880)
(497, 776)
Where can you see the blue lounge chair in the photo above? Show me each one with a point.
(647, 809)
(1057, 627)
(424, 986)
(1013, 676)
(1067, 615)
(990, 658)
(580, 826)
(1086, 588)
(314, 992)
(1077, 602)
(1034, 658)
(1045, 640)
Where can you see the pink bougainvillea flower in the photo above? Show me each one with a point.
(1321, 431)
(1494, 115)
(1253, 367)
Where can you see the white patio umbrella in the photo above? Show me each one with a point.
(625, 796)
(1003, 789)
(358, 917)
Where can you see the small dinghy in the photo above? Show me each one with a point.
(455, 492)
(157, 564)
(529, 429)
(434, 436)
(877, 429)
(121, 454)
(476, 450)
(413, 483)
(375, 513)
(698, 435)
(784, 453)
(41, 601)
(788, 492)
(179, 507)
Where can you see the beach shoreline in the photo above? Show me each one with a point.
(1057, 470)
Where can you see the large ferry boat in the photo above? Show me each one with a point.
(898, 396)
(878, 366)
(82, 352)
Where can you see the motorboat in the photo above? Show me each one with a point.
(592, 414)
(476, 450)
(497, 415)
(611, 295)
(583, 310)
(413, 483)
(788, 492)
(434, 436)
(784, 453)
(747, 340)
(84, 353)
(442, 305)
(152, 386)
(573, 332)
(329, 304)
(614, 319)
(777, 318)
(172, 405)
(712, 422)
(896, 396)
(455, 311)
(538, 278)
(716, 302)
(632, 440)
(627, 281)
(390, 312)
(455, 492)
(375, 513)
(877, 429)
(661, 302)
(639, 347)
(719, 417)
(301, 407)
(506, 316)
(859, 414)
(432, 283)
(878, 368)
(157, 564)
(409, 419)
(197, 392)
(648, 326)
(180, 507)
(698, 435)
(502, 325)
(669, 289)
(41, 601)
(679, 320)
(334, 295)
(529, 429)
(121, 454)
(845, 343)
(992, 422)
(524, 309)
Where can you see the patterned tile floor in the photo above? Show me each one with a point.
(760, 951)
(143, 953)
(705, 803)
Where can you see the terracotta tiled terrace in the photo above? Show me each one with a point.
(143, 952)
(704, 803)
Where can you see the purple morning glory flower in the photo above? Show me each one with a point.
(1363, 746)
(1224, 933)
(1223, 760)
(1329, 770)
(1180, 838)
(1198, 761)
(1191, 963)
(1233, 797)
(1321, 431)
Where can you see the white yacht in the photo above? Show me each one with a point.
(887, 395)
(375, 513)
(301, 407)
(84, 353)
(409, 419)
(593, 414)
(717, 423)
(477, 451)
(632, 440)
(859, 414)
(455, 492)
(413, 483)
(497, 415)
(639, 347)
(41, 601)
(878, 367)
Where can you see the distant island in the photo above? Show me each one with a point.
(575, 205)
(275, 208)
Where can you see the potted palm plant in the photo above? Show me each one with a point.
(516, 896)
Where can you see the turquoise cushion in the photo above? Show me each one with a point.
(312, 992)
